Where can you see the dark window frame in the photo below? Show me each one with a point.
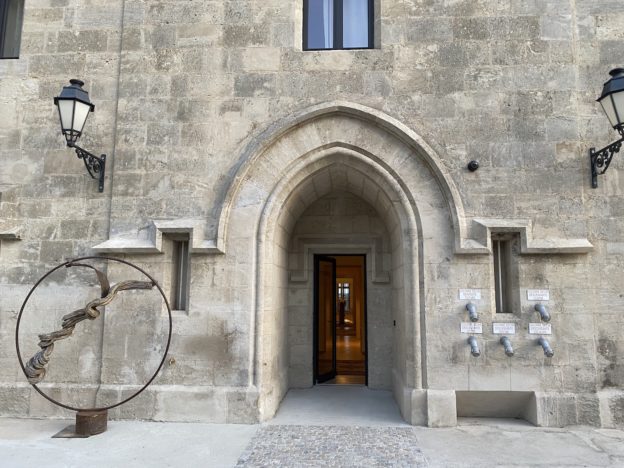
(506, 272)
(17, 22)
(500, 249)
(180, 273)
(338, 29)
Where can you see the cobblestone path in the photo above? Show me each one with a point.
(329, 446)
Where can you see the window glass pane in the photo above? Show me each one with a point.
(355, 23)
(502, 275)
(320, 24)
(180, 275)
(11, 12)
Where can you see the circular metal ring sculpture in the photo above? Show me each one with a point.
(34, 370)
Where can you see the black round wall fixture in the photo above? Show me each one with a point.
(473, 165)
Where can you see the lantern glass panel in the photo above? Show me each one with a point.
(618, 100)
(66, 113)
(81, 113)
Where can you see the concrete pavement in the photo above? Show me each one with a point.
(316, 427)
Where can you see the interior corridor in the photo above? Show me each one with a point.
(350, 326)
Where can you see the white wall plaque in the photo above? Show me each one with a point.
(538, 294)
(504, 328)
(470, 294)
(471, 327)
(540, 329)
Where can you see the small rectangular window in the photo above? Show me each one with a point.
(11, 16)
(501, 250)
(337, 24)
(180, 275)
(506, 255)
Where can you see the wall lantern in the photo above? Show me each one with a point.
(612, 102)
(74, 108)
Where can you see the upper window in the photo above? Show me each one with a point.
(337, 24)
(11, 14)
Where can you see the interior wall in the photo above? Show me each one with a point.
(353, 268)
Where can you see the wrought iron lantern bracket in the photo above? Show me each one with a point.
(601, 159)
(74, 107)
(95, 165)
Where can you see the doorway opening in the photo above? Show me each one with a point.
(340, 344)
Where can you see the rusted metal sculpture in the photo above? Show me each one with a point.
(35, 368)
(89, 421)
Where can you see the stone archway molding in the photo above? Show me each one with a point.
(261, 143)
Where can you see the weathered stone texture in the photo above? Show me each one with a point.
(204, 100)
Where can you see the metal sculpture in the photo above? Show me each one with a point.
(89, 421)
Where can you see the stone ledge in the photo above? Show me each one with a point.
(10, 232)
(482, 229)
(481, 244)
(150, 241)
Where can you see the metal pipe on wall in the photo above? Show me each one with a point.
(474, 346)
(506, 342)
(472, 312)
(543, 342)
(544, 314)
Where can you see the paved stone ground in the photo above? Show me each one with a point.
(333, 446)
(26, 443)
(318, 427)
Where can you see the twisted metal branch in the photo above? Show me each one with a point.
(36, 366)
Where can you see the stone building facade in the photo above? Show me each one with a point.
(219, 127)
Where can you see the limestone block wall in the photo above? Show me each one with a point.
(46, 201)
(183, 90)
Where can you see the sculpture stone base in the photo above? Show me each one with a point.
(88, 423)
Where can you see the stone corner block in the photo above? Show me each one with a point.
(441, 408)
(611, 405)
(418, 413)
(553, 410)
(242, 406)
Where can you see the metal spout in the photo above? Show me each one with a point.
(506, 342)
(474, 346)
(544, 314)
(543, 342)
(472, 312)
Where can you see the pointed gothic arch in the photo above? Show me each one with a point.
(296, 162)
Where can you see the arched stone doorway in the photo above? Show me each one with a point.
(343, 225)
(394, 273)
(368, 155)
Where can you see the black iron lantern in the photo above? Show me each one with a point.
(74, 107)
(612, 102)
(612, 99)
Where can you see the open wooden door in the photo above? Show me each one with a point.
(324, 318)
